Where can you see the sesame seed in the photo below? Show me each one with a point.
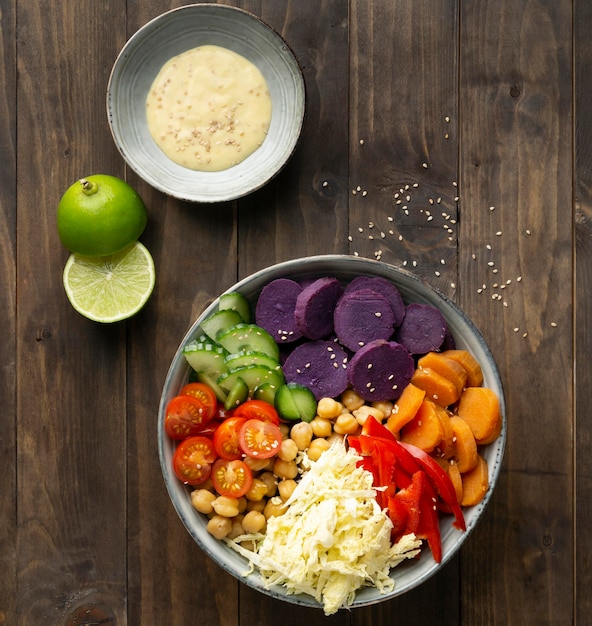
(554, 324)
(361, 142)
(325, 183)
(424, 165)
(447, 119)
(499, 232)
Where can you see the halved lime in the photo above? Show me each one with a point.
(110, 288)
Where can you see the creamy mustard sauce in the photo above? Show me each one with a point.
(208, 108)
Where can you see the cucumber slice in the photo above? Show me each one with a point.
(235, 301)
(250, 357)
(202, 377)
(249, 337)
(295, 402)
(205, 357)
(265, 392)
(239, 392)
(253, 375)
(219, 322)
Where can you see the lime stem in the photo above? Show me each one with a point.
(88, 187)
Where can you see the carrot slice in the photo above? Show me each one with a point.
(479, 407)
(405, 408)
(456, 480)
(466, 455)
(425, 429)
(470, 363)
(439, 389)
(445, 366)
(475, 483)
(446, 446)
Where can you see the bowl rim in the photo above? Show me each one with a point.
(275, 167)
(308, 265)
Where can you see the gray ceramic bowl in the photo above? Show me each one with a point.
(410, 574)
(183, 29)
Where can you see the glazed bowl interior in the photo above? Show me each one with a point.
(410, 574)
(175, 32)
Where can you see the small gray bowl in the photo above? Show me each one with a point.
(410, 574)
(182, 29)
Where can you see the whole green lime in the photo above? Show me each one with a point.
(100, 215)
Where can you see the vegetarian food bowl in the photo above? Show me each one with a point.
(178, 31)
(345, 269)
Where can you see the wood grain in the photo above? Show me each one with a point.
(583, 310)
(516, 148)
(8, 288)
(451, 138)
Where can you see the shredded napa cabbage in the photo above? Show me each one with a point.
(333, 538)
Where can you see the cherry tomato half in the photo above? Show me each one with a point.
(257, 409)
(226, 442)
(185, 417)
(192, 460)
(204, 394)
(260, 440)
(231, 478)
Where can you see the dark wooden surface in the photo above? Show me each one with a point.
(485, 106)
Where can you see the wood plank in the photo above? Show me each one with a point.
(194, 248)
(71, 373)
(516, 148)
(403, 163)
(8, 499)
(583, 311)
(403, 141)
(301, 212)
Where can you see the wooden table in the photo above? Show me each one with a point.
(481, 108)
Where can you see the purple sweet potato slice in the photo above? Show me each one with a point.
(361, 316)
(380, 370)
(315, 305)
(275, 310)
(385, 288)
(423, 329)
(319, 365)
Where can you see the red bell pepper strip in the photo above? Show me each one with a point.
(429, 523)
(405, 507)
(440, 480)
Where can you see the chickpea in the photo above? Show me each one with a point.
(335, 437)
(286, 488)
(237, 528)
(257, 465)
(242, 504)
(285, 469)
(346, 424)
(316, 448)
(365, 411)
(288, 450)
(329, 408)
(225, 507)
(254, 522)
(256, 505)
(352, 400)
(202, 499)
(274, 507)
(219, 526)
(271, 481)
(385, 407)
(321, 427)
(301, 434)
(257, 491)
